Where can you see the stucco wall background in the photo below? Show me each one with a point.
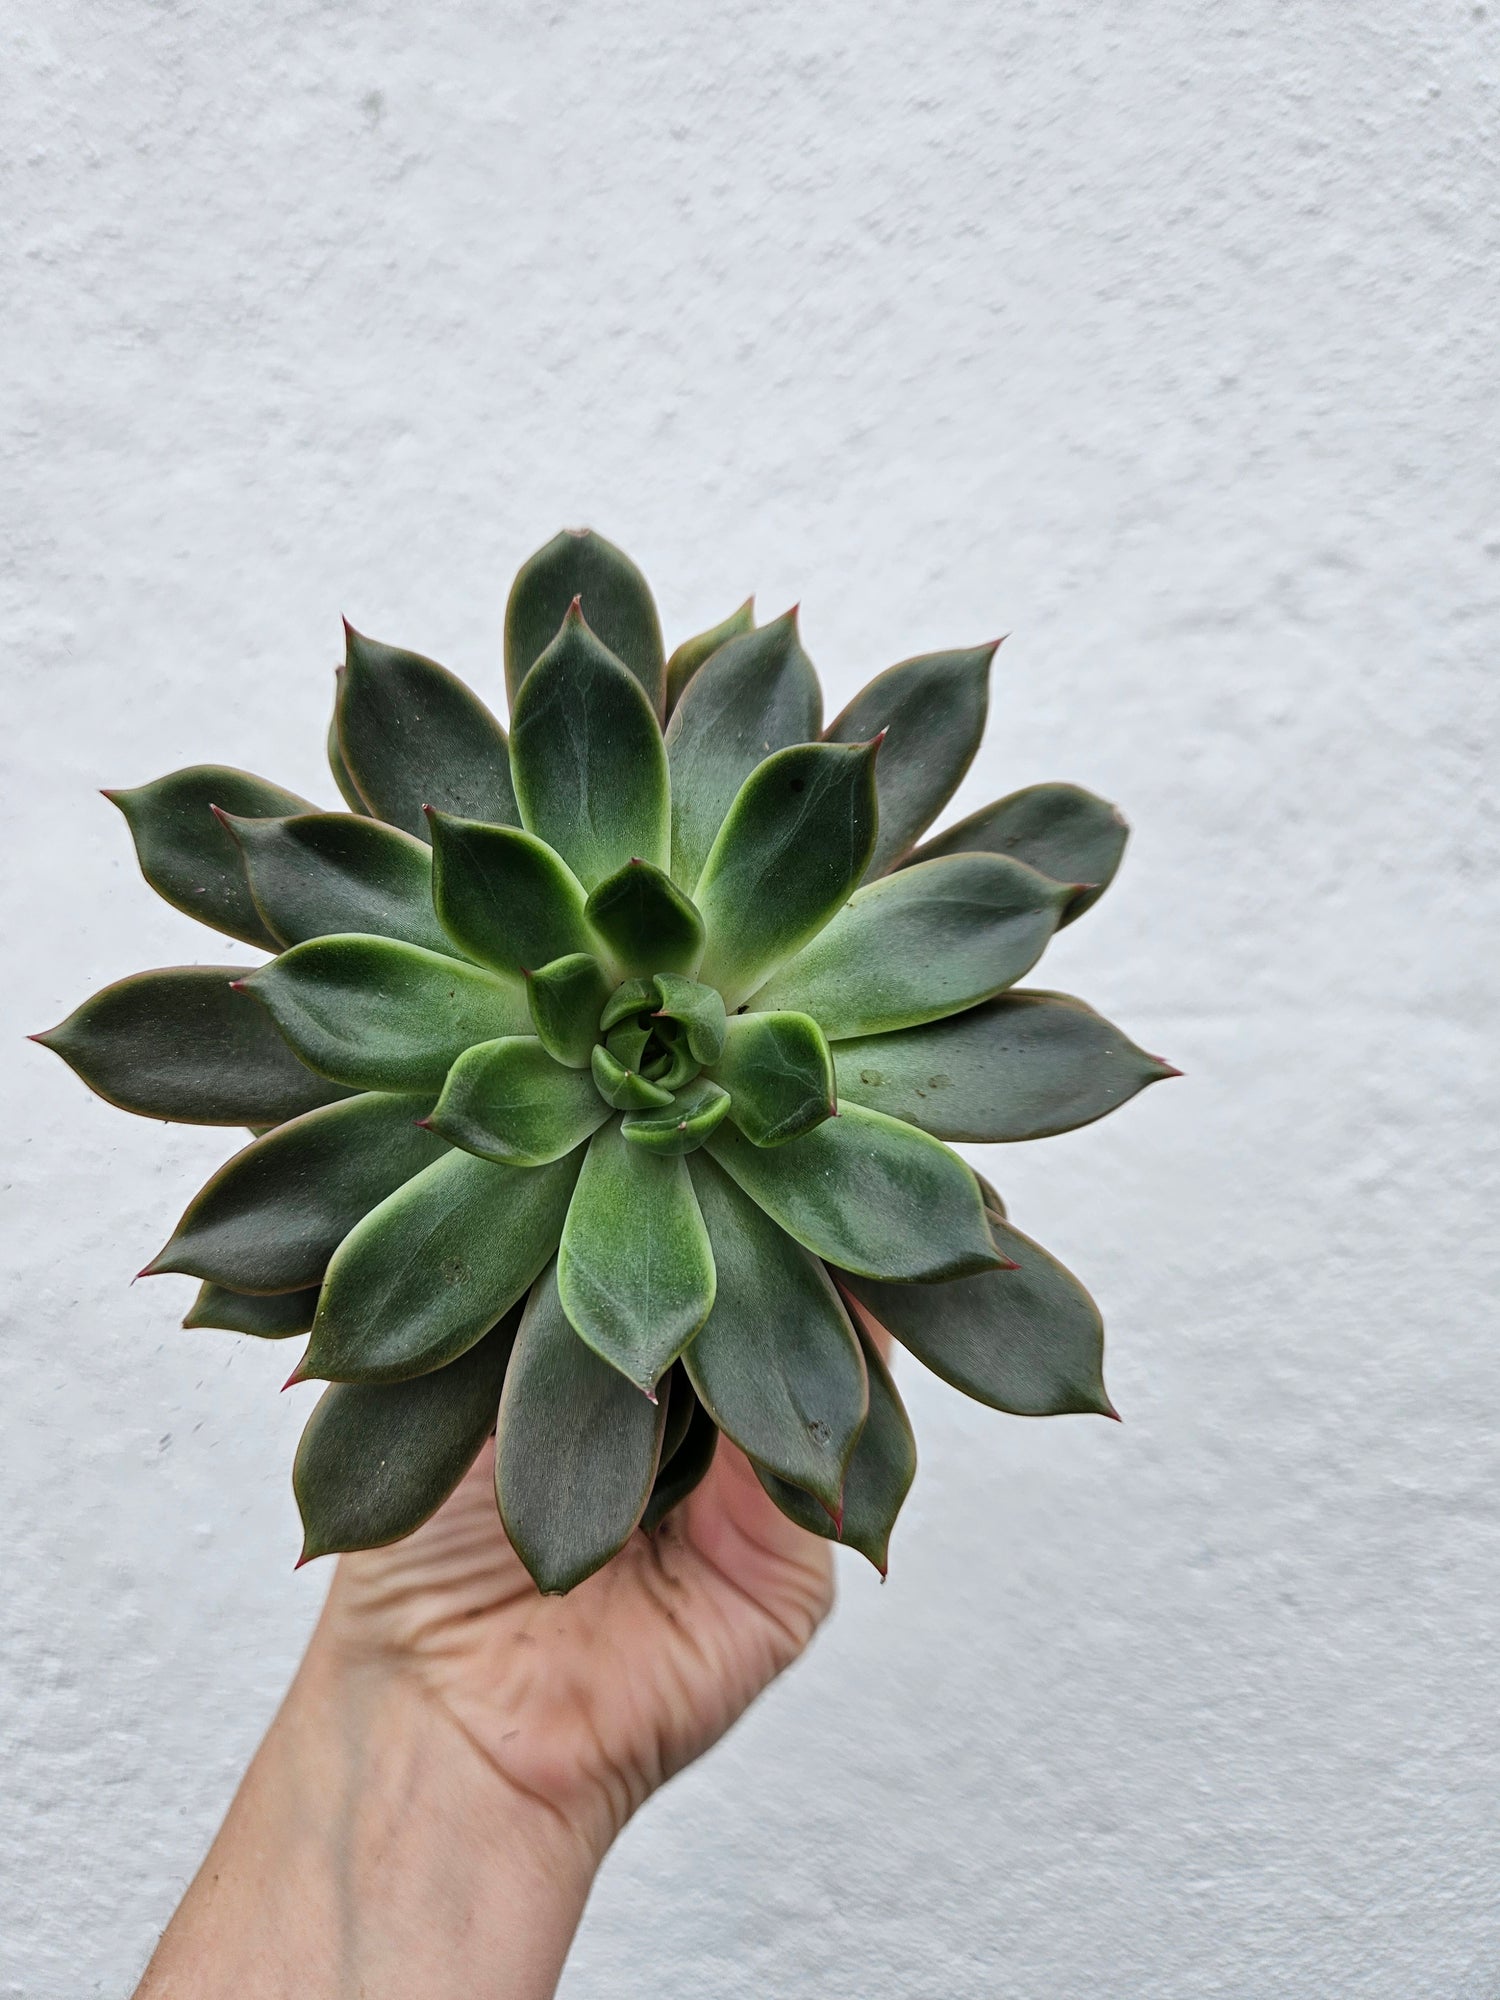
(1159, 336)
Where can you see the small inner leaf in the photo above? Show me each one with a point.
(700, 1009)
(646, 920)
(622, 1087)
(267, 1315)
(682, 1125)
(508, 1100)
(778, 1070)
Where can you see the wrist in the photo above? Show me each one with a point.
(374, 1848)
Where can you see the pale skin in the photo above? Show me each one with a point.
(457, 1753)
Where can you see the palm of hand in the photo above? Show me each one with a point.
(589, 1702)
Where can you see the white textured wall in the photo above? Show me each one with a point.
(1160, 335)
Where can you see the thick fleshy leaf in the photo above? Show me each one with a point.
(681, 1126)
(686, 1469)
(188, 856)
(700, 1011)
(792, 849)
(623, 1087)
(920, 944)
(633, 996)
(692, 653)
(934, 709)
(635, 1270)
(759, 693)
(508, 1100)
(414, 735)
(382, 1015)
(1025, 1066)
(676, 1392)
(181, 1044)
(576, 1452)
(349, 792)
(616, 600)
(646, 920)
(429, 1271)
(590, 768)
(627, 1043)
(566, 1000)
(503, 896)
(867, 1193)
(993, 1200)
(878, 1478)
(1027, 1340)
(376, 1459)
(271, 1217)
(268, 1315)
(776, 1363)
(323, 874)
(777, 1070)
(1060, 830)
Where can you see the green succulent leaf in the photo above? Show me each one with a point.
(675, 1393)
(586, 749)
(622, 1087)
(566, 999)
(793, 847)
(776, 1363)
(508, 1100)
(934, 709)
(576, 1452)
(777, 1070)
(1027, 1065)
(376, 1459)
(504, 897)
(758, 694)
(646, 920)
(867, 1193)
(920, 944)
(382, 1015)
(682, 1125)
(692, 653)
(267, 1315)
(187, 854)
(634, 996)
(181, 1044)
(348, 791)
(699, 1009)
(1027, 1340)
(323, 874)
(615, 597)
(878, 1480)
(1060, 830)
(270, 1218)
(635, 1270)
(688, 1465)
(627, 1043)
(425, 1274)
(413, 735)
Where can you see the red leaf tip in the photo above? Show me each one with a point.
(1167, 1069)
(295, 1377)
(236, 985)
(305, 1557)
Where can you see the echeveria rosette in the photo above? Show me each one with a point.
(601, 1076)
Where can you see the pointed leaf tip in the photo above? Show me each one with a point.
(305, 1557)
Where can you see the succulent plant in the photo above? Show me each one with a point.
(602, 1077)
